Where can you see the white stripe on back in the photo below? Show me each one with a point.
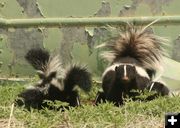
(151, 86)
(77, 99)
(140, 70)
(111, 68)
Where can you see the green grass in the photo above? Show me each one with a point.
(132, 114)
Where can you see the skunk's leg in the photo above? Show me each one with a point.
(73, 99)
(100, 98)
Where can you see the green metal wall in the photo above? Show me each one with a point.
(77, 43)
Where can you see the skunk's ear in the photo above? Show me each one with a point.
(116, 68)
(134, 67)
(41, 74)
(52, 74)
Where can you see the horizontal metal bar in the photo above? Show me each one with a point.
(15, 79)
(90, 21)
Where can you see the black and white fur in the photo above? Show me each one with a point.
(56, 81)
(119, 80)
(135, 56)
(158, 88)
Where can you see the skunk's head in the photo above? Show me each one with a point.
(47, 81)
(125, 73)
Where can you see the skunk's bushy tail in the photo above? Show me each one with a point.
(139, 44)
(77, 75)
(41, 60)
(38, 58)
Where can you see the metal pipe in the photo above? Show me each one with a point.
(90, 21)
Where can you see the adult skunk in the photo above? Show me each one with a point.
(135, 56)
(56, 81)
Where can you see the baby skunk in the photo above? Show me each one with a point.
(135, 56)
(158, 88)
(56, 82)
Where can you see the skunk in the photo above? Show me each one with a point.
(119, 80)
(135, 56)
(158, 88)
(31, 98)
(56, 81)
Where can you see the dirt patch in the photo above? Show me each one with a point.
(143, 122)
(14, 123)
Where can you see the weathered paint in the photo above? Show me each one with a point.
(76, 43)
